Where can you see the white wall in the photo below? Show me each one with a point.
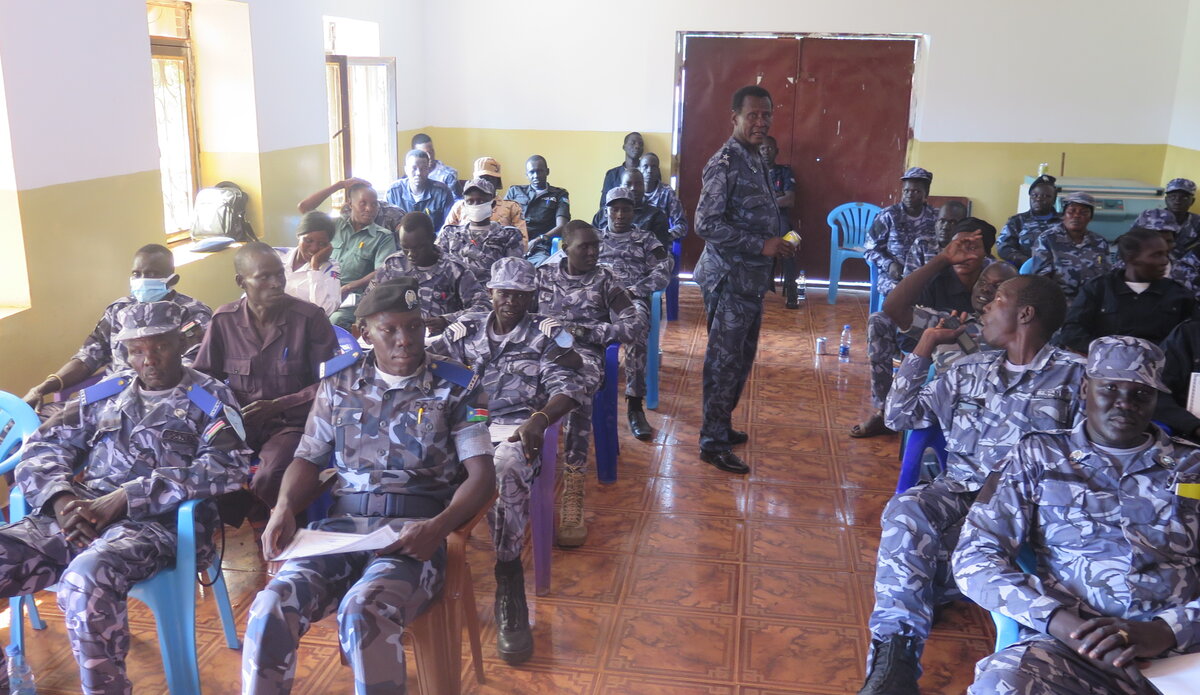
(76, 119)
(1014, 71)
(1185, 121)
(222, 44)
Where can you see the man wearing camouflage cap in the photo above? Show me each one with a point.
(532, 377)
(898, 226)
(596, 310)
(406, 434)
(1069, 252)
(1182, 226)
(104, 480)
(506, 213)
(1111, 511)
(983, 404)
(643, 266)
(480, 241)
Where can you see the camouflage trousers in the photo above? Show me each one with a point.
(92, 586)
(912, 572)
(884, 342)
(577, 425)
(1045, 666)
(636, 354)
(733, 324)
(508, 518)
(375, 598)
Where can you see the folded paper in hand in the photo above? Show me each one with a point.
(308, 543)
(501, 433)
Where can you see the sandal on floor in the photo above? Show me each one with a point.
(873, 427)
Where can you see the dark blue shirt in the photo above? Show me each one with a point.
(435, 200)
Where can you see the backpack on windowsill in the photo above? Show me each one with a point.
(220, 210)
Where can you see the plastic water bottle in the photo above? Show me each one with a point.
(844, 345)
(801, 281)
(20, 676)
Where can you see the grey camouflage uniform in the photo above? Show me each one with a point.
(1110, 540)
(1071, 264)
(448, 288)
(407, 440)
(885, 340)
(922, 251)
(479, 249)
(891, 236)
(171, 453)
(643, 266)
(520, 373)
(1015, 243)
(596, 310)
(667, 200)
(983, 410)
(101, 350)
(736, 215)
(1185, 265)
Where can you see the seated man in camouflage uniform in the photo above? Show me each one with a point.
(406, 433)
(594, 308)
(448, 288)
(983, 403)
(531, 375)
(958, 281)
(925, 248)
(1069, 252)
(643, 266)
(645, 215)
(480, 241)
(1182, 226)
(152, 279)
(1109, 509)
(1022, 229)
(104, 480)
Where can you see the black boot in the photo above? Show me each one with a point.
(894, 667)
(514, 639)
(791, 296)
(638, 424)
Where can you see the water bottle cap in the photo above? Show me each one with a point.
(13, 651)
(846, 327)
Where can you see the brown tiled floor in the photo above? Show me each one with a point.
(693, 582)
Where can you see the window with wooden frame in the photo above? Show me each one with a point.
(174, 111)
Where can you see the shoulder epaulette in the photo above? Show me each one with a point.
(210, 404)
(105, 389)
(214, 408)
(454, 372)
(336, 364)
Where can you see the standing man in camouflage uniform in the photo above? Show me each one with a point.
(532, 378)
(898, 226)
(480, 241)
(448, 288)
(596, 310)
(1022, 229)
(152, 279)
(643, 266)
(1110, 511)
(983, 403)
(407, 436)
(740, 223)
(269, 347)
(1070, 252)
(104, 479)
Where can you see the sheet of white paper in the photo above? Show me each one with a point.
(501, 433)
(1193, 401)
(308, 543)
(350, 300)
(1175, 675)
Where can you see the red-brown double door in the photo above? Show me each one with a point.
(841, 121)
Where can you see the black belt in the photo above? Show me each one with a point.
(386, 504)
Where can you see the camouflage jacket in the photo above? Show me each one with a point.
(922, 251)
(174, 452)
(638, 260)
(520, 371)
(407, 439)
(982, 408)
(1071, 264)
(891, 236)
(448, 288)
(735, 216)
(1015, 243)
(100, 350)
(1187, 235)
(1108, 542)
(666, 200)
(478, 249)
(594, 307)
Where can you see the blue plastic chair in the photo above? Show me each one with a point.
(673, 286)
(1027, 267)
(653, 359)
(1008, 631)
(915, 444)
(24, 421)
(170, 594)
(876, 297)
(604, 418)
(848, 225)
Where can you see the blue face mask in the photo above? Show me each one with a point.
(148, 289)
